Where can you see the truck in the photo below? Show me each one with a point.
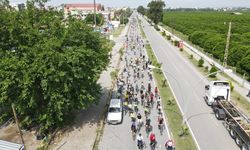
(217, 95)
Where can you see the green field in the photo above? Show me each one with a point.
(208, 29)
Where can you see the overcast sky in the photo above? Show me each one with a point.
(169, 3)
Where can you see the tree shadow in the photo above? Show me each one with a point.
(92, 115)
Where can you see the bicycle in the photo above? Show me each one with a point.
(161, 128)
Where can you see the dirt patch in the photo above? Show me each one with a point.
(10, 133)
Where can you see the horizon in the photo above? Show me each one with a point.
(169, 4)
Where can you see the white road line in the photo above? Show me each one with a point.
(196, 142)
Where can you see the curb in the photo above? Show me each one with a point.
(101, 123)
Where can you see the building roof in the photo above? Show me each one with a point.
(81, 5)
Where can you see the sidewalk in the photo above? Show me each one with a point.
(82, 134)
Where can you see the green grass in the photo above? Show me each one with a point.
(118, 31)
(142, 32)
(241, 102)
(171, 109)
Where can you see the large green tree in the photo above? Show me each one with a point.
(49, 65)
(155, 11)
(90, 19)
(141, 10)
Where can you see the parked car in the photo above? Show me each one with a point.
(115, 112)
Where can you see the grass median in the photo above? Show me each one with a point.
(142, 32)
(182, 137)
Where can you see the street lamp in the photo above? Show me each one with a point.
(94, 13)
(180, 87)
(194, 85)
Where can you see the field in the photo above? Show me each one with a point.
(208, 29)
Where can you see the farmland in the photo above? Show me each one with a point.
(208, 29)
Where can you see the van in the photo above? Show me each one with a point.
(115, 112)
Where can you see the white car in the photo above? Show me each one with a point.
(115, 111)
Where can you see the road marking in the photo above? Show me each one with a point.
(196, 142)
(165, 121)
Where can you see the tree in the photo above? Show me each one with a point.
(141, 10)
(155, 11)
(49, 69)
(90, 19)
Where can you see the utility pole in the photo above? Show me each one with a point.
(227, 45)
(95, 13)
(17, 124)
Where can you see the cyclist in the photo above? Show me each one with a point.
(170, 145)
(139, 141)
(156, 92)
(152, 140)
(146, 110)
(147, 124)
(133, 127)
(139, 118)
(136, 107)
(160, 121)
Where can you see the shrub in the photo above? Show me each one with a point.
(206, 68)
(212, 72)
(168, 37)
(191, 56)
(200, 62)
(163, 33)
(231, 86)
(176, 43)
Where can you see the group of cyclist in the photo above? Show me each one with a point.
(136, 92)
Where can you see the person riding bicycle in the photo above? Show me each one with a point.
(133, 127)
(169, 145)
(139, 118)
(139, 140)
(160, 121)
(136, 107)
(152, 139)
(156, 92)
(148, 120)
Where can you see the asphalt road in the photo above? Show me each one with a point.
(188, 86)
(119, 137)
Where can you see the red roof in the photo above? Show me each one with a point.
(82, 5)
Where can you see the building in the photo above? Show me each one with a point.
(79, 8)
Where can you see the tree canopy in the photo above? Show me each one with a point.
(90, 19)
(141, 10)
(155, 11)
(208, 29)
(49, 65)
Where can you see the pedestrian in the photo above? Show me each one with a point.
(248, 95)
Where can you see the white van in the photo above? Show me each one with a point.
(115, 111)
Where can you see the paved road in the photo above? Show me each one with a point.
(188, 87)
(119, 137)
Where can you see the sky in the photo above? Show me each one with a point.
(169, 3)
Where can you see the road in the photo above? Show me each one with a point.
(188, 86)
(119, 137)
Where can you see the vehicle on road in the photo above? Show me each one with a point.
(5, 145)
(235, 121)
(115, 112)
(217, 89)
